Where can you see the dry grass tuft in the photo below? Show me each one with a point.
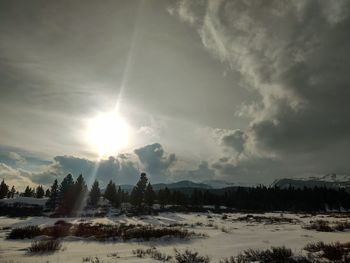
(45, 246)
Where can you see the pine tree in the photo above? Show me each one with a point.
(28, 192)
(112, 195)
(66, 185)
(12, 192)
(167, 195)
(3, 189)
(138, 192)
(95, 194)
(67, 195)
(53, 199)
(47, 193)
(161, 197)
(196, 197)
(149, 195)
(80, 190)
(119, 197)
(110, 191)
(39, 192)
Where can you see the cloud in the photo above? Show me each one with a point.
(121, 169)
(155, 161)
(17, 158)
(294, 55)
(17, 177)
(235, 139)
(200, 173)
(124, 168)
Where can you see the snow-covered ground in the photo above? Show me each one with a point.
(225, 237)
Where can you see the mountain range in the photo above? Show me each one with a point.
(208, 184)
(328, 180)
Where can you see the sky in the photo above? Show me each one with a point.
(242, 91)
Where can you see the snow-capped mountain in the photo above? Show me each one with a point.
(329, 180)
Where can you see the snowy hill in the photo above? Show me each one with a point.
(329, 180)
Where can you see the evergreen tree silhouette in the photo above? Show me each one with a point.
(47, 193)
(95, 194)
(39, 192)
(138, 192)
(3, 189)
(67, 195)
(54, 196)
(149, 195)
(28, 192)
(12, 192)
(80, 191)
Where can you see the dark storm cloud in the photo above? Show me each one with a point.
(155, 160)
(235, 139)
(295, 55)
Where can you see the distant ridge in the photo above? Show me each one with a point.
(329, 181)
(218, 184)
(187, 184)
(208, 184)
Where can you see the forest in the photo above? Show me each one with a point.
(70, 196)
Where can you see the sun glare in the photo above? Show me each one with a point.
(108, 133)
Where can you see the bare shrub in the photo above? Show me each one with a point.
(62, 223)
(268, 219)
(148, 232)
(92, 259)
(140, 253)
(44, 246)
(113, 255)
(190, 257)
(319, 225)
(341, 226)
(314, 247)
(101, 231)
(275, 254)
(325, 226)
(153, 253)
(229, 260)
(225, 230)
(56, 231)
(24, 232)
(332, 251)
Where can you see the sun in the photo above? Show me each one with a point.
(108, 133)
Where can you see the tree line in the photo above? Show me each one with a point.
(7, 192)
(71, 195)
